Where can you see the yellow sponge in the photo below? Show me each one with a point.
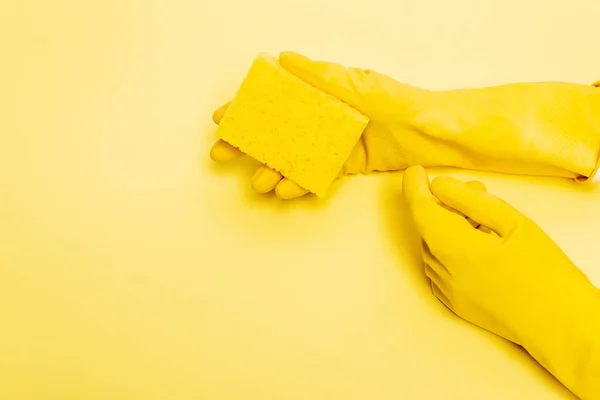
(291, 126)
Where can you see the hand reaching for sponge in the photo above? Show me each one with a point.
(548, 129)
(510, 279)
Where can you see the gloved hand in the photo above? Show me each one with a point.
(389, 142)
(550, 129)
(509, 278)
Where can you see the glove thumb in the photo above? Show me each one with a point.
(370, 92)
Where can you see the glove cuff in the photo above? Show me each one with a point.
(592, 176)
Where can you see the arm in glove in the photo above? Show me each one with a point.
(509, 278)
(550, 129)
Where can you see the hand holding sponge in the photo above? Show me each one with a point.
(548, 129)
(296, 129)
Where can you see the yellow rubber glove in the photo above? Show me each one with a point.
(513, 281)
(550, 129)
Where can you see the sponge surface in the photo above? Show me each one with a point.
(291, 126)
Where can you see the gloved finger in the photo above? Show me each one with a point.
(223, 151)
(441, 296)
(433, 277)
(357, 87)
(436, 225)
(473, 184)
(438, 275)
(287, 190)
(482, 207)
(442, 275)
(220, 113)
(479, 186)
(265, 179)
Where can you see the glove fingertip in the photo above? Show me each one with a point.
(292, 59)
(415, 184)
(287, 56)
(222, 151)
(477, 185)
(301, 66)
(265, 179)
(287, 190)
(220, 113)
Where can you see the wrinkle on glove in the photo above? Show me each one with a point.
(510, 279)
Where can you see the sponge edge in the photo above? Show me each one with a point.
(291, 126)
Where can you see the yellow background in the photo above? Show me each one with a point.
(133, 268)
